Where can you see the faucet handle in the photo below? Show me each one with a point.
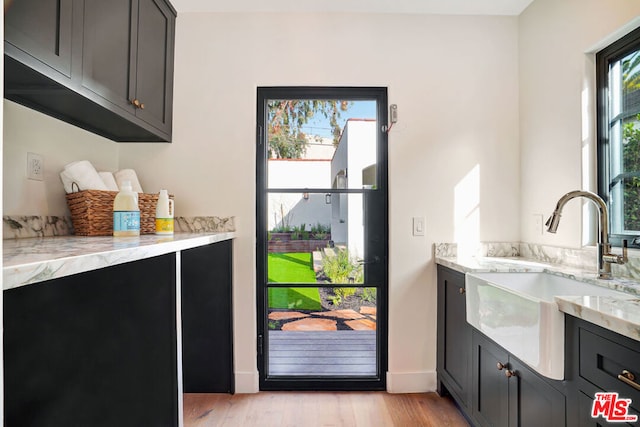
(612, 258)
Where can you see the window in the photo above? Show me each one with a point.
(618, 104)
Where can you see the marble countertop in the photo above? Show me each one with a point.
(618, 315)
(33, 260)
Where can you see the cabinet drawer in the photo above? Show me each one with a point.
(602, 361)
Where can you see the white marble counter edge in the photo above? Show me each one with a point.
(619, 316)
(21, 274)
(615, 315)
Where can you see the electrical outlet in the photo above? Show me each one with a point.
(35, 166)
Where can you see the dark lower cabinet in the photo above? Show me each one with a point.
(603, 357)
(533, 401)
(509, 393)
(93, 349)
(454, 337)
(100, 348)
(490, 386)
(503, 391)
(207, 329)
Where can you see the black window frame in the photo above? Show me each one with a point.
(612, 53)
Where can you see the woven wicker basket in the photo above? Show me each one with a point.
(92, 212)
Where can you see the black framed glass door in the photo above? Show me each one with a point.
(321, 238)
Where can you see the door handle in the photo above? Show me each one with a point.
(375, 260)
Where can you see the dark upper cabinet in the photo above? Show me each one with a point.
(107, 50)
(154, 66)
(42, 31)
(127, 57)
(106, 67)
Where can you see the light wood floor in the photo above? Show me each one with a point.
(316, 409)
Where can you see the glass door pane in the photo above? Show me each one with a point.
(319, 296)
(321, 151)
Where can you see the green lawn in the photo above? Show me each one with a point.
(296, 267)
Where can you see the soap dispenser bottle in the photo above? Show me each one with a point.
(164, 214)
(126, 214)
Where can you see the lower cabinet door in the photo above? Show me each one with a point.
(94, 349)
(207, 329)
(490, 384)
(454, 336)
(532, 401)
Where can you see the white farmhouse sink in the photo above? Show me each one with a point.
(518, 311)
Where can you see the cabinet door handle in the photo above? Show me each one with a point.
(628, 378)
(509, 373)
(136, 103)
(500, 366)
(461, 291)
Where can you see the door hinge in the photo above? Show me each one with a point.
(260, 346)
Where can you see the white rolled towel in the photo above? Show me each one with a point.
(128, 175)
(67, 183)
(109, 180)
(83, 174)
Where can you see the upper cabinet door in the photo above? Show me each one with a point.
(128, 57)
(108, 60)
(105, 66)
(154, 68)
(43, 30)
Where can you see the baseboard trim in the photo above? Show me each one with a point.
(411, 382)
(247, 382)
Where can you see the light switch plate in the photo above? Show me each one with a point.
(418, 225)
(538, 221)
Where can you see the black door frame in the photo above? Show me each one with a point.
(379, 239)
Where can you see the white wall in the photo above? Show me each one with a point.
(26, 130)
(557, 106)
(455, 82)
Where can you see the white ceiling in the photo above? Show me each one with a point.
(444, 7)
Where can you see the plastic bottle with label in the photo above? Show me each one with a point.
(164, 214)
(126, 214)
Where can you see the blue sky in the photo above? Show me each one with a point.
(357, 110)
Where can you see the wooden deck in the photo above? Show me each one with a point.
(322, 353)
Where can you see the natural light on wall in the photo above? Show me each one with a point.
(466, 210)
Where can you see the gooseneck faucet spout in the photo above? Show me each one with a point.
(605, 257)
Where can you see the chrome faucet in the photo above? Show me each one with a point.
(605, 257)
